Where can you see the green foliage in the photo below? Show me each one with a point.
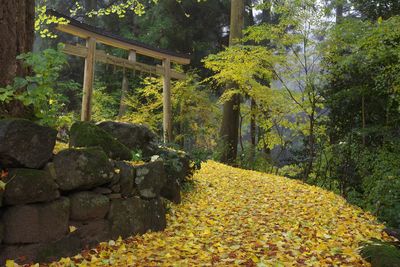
(376, 9)
(362, 61)
(182, 165)
(244, 66)
(381, 183)
(195, 113)
(381, 254)
(292, 171)
(137, 155)
(252, 158)
(45, 92)
(44, 21)
(189, 186)
(200, 155)
(173, 161)
(188, 26)
(328, 172)
(251, 69)
(105, 104)
(288, 53)
(2, 186)
(145, 105)
(367, 177)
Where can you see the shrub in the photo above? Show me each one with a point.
(381, 183)
(43, 90)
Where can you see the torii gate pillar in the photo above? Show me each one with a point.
(88, 80)
(167, 105)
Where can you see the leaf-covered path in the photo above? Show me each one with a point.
(238, 217)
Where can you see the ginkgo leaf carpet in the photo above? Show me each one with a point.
(236, 217)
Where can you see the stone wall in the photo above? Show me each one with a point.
(56, 205)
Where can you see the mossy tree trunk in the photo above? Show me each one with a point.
(17, 18)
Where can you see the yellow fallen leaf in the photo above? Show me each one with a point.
(168, 255)
(254, 258)
(234, 216)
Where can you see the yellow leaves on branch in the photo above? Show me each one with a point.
(242, 66)
(243, 218)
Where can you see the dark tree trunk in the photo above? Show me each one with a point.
(17, 18)
(363, 119)
(266, 16)
(230, 130)
(253, 127)
(339, 11)
(253, 108)
(253, 124)
(230, 118)
(311, 147)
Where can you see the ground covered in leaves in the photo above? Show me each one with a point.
(238, 217)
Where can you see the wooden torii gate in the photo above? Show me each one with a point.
(94, 35)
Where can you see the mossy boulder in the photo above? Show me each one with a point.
(172, 190)
(85, 168)
(150, 179)
(25, 186)
(25, 144)
(86, 134)
(36, 223)
(134, 136)
(67, 246)
(154, 215)
(136, 216)
(178, 168)
(381, 254)
(92, 232)
(88, 205)
(42, 252)
(126, 178)
(126, 217)
(177, 164)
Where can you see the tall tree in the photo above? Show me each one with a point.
(253, 103)
(373, 9)
(231, 110)
(339, 6)
(16, 37)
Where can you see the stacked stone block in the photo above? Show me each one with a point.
(56, 205)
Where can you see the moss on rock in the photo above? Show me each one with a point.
(86, 134)
(25, 144)
(88, 205)
(84, 168)
(29, 186)
(134, 136)
(381, 254)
